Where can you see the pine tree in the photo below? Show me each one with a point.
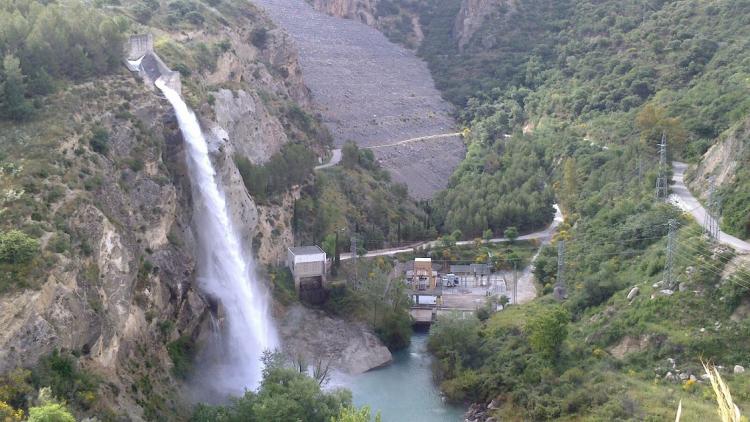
(13, 102)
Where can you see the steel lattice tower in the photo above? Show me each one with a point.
(711, 218)
(662, 186)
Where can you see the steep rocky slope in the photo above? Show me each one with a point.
(722, 160)
(473, 14)
(99, 178)
(373, 92)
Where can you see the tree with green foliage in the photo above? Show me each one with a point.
(352, 414)
(569, 194)
(487, 235)
(16, 247)
(547, 331)
(13, 102)
(349, 155)
(511, 233)
(285, 394)
(50, 412)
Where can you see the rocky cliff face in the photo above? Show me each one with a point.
(115, 283)
(361, 10)
(474, 13)
(721, 161)
(127, 267)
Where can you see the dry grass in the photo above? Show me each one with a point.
(727, 410)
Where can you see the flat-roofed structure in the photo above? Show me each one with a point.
(308, 266)
(424, 284)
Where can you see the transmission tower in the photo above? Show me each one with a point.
(711, 218)
(560, 290)
(671, 246)
(662, 187)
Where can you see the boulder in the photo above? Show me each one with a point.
(738, 369)
(666, 292)
(684, 376)
(633, 292)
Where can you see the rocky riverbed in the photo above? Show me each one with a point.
(373, 92)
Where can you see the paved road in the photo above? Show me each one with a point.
(544, 235)
(684, 199)
(335, 159)
(420, 138)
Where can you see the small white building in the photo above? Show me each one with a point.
(308, 266)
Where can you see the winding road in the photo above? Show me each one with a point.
(682, 198)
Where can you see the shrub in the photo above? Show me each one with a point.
(258, 37)
(548, 330)
(17, 247)
(181, 352)
(60, 372)
(395, 330)
(99, 140)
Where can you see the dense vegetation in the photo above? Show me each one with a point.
(43, 44)
(364, 290)
(286, 393)
(358, 199)
(569, 98)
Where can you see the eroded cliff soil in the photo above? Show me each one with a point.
(373, 92)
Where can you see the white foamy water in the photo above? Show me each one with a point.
(225, 270)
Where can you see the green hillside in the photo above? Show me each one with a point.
(567, 100)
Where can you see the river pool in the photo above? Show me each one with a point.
(404, 390)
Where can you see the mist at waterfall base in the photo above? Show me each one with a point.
(225, 271)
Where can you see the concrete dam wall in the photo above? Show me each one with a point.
(142, 59)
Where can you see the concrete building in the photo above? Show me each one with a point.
(424, 283)
(308, 267)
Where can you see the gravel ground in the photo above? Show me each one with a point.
(373, 92)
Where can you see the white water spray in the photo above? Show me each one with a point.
(225, 270)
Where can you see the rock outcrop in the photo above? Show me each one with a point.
(129, 268)
(361, 10)
(121, 286)
(349, 347)
(722, 160)
(473, 14)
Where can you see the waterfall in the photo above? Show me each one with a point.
(225, 270)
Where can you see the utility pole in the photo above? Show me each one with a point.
(671, 246)
(662, 188)
(515, 282)
(713, 213)
(560, 290)
(355, 258)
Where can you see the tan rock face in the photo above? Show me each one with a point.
(361, 10)
(253, 131)
(472, 15)
(721, 160)
(129, 269)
